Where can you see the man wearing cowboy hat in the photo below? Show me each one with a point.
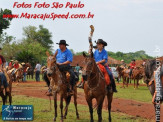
(101, 57)
(64, 58)
(123, 64)
(3, 78)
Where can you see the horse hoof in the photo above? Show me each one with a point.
(64, 117)
(54, 119)
(78, 117)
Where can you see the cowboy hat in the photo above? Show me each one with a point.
(12, 60)
(22, 63)
(63, 42)
(122, 60)
(16, 60)
(100, 41)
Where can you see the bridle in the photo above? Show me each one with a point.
(92, 72)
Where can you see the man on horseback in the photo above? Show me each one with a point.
(132, 66)
(64, 58)
(3, 78)
(101, 58)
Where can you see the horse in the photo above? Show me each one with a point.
(3, 90)
(124, 73)
(30, 71)
(60, 85)
(150, 67)
(137, 74)
(95, 87)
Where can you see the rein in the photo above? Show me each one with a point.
(99, 76)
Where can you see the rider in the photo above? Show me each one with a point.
(64, 58)
(123, 65)
(3, 78)
(132, 66)
(101, 57)
(10, 66)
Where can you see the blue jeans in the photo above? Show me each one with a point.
(24, 76)
(110, 75)
(3, 80)
(37, 75)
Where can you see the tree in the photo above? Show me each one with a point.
(42, 35)
(4, 22)
(4, 38)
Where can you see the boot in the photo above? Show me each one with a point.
(70, 91)
(114, 86)
(49, 93)
(109, 89)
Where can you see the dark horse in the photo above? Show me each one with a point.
(60, 86)
(3, 90)
(94, 87)
(150, 67)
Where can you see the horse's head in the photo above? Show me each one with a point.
(51, 64)
(150, 67)
(89, 64)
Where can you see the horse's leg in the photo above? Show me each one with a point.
(10, 97)
(55, 106)
(89, 101)
(137, 83)
(109, 97)
(75, 102)
(127, 79)
(3, 97)
(68, 99)
(99, 109)
(123, 81)
(61, 107)
(134, 83)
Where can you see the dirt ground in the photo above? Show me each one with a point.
(130, 107)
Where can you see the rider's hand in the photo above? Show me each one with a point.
(97, 62)
(59, 63)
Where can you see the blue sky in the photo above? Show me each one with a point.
(126, 25)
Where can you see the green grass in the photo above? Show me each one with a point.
(42, 112)
(141, 94)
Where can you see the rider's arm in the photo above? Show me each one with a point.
(67, 62)
(100, 62)
(104, 58)
(69, 59)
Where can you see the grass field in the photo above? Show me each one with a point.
(42, 111)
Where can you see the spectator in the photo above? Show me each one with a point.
(37, 69)
(24, 71)
(77, 68)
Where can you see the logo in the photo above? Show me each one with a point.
(17, 112)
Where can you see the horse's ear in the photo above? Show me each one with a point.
(91, 54)
(84, 54)
(47, 53)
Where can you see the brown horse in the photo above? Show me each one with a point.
(124, 73)
(95, 87)
(137, 74)
(60, 86)
(4, 96)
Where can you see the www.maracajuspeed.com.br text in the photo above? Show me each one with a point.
(52, 16)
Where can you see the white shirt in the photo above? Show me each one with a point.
(38, 67)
